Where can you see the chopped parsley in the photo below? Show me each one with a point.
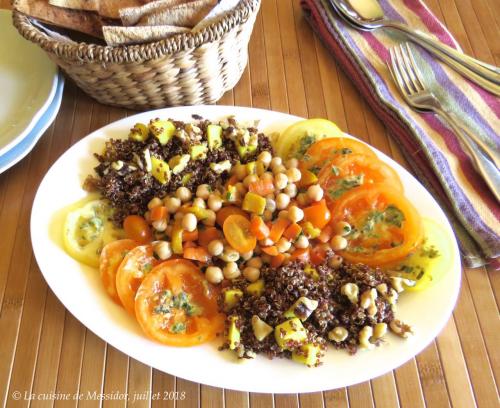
(335, 171)
(305, 143)
(178, 327)
(315, 170)
(346, 184)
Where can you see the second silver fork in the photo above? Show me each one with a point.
(409, 80)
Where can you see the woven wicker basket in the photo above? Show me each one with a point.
(187, 69)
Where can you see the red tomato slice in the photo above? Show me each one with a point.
(386, 226)
(175, 305)
(111, 257)
(345, 173)
(237, 232)
(325, 150)
(134, 267)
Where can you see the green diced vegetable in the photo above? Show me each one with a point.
(198, 152)
(163, 130)
(139, 132)
(233, 334)
(179, 163)
(291, 331)
(214, 136)
(256, 288)
(231, 298)
(308, 354)
(160, 170)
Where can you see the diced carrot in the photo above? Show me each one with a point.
(190, 236)
(317, 255)
(300, 254)
(199, 254)
(208, 235)
(292, 232)
(158, 213)
(270, 250)
(318, 214)
(189, 244)
(259, 228)
(261, 187)
(278, 228)
(307, 178)
(326, 234)
(225, 212)
(277, 260)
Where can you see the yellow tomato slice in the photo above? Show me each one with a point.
(297, 138)
(238, 233)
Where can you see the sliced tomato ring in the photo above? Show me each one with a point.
(225, 212)
(325, 150)
(175, 305)
(237, 231)
(111, 257)
(344, 173)
(134, 267)
(385, 225)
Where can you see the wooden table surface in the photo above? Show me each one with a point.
(44, 349)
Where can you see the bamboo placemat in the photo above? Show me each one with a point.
(45, 353)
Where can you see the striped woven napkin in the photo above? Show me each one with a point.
(431, 148)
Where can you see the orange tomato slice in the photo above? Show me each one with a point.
(225, 212)
(386, 226)
(237, 232)
(344, 173)
(325, 150)
(111, 257)
(176, 306)
(137, 228)
(134, 267)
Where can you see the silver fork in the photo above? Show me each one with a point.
(409, 80)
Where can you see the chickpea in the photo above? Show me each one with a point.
(270, 204)
(302, 242)
(199, 202)
(214, 274)
(172, 204)
(295, 214)
(189, 222)
(293, 175)
(183, 194)
(246, 255)
(267, 176)
(214, 202)
(229, 254)
(203, 191)
(280, 181)
(265, 157)
(210, 220)
(251, 273)
(302, 199)
(279, 169)
(276, 161)
(178, 216)
(251, 178)
(335, 261)
(282, 201)
(283, 245)
(338, 243)
(231, 270)
(160, 225)
(292, 163)
(315, 192)
(155, 202)
(240, 171)
(162, 249)
(215, 247)
(291, 190)
(255, 262)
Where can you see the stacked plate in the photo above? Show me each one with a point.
(30, 97)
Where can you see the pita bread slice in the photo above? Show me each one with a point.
(85, 22)
(105, 8)
(186, 15)
(138, 35)
(131, 15)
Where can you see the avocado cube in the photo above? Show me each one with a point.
(198, 152)
(139, 132)
(245, 150)
(251, 167)
(310, 271)
(302, 308)
(160, 170)
(185, 178)
(214, 136)
(308, 354)
(179, 163)
(254, 203)
(310, 230)
(289, 333)
(231, 298)
(233, 333)
(256, 288)
(200, 213)
(163, 130)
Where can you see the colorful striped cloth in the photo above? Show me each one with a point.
(431, 148)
